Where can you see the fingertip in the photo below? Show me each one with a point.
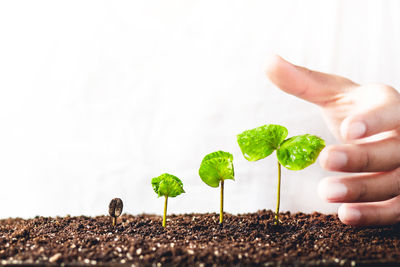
(349, 215)
(344, 128)
(332, 190)
(273, 64)
(323, 157)
(321, 189)
(352, 129)
(333, 159)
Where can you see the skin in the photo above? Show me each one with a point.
(366, 119)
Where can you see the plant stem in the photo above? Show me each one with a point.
(278, 195)
(164, 221)
(221, 208)
(114, 221)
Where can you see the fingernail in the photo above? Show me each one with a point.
(335, 160)
(349, 215)
(356, 130)
(332, 191)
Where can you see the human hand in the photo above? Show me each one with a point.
(366, 118)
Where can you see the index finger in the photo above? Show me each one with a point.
(313, 86)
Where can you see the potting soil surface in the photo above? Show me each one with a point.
(197, 240)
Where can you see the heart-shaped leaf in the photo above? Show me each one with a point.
(298, 152)
(167, 185)
(215, 167)
(260, 142)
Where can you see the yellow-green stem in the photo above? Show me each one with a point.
(278, 195)
(164, 221)
(221, 208)
(114, 221)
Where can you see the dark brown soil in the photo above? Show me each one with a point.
(197, 240)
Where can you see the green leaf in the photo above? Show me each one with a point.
(298, 152)
(260, 142)
(167, 185)
(215, 167)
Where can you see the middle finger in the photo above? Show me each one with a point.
(383, 155)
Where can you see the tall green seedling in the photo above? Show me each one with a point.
(295, 153)
(167, 185)
(215, 168)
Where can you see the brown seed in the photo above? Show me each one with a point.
(115, 207)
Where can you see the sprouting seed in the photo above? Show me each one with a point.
(167, 185)
(115, 209)
(215, 168)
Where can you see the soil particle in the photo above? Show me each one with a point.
(197, 240)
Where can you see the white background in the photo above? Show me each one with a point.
(96, 98)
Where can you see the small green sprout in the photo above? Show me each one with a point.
(115, 209)
(215, 168)
(295, 153)
(167, 185)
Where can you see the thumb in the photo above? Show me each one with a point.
(316, 87)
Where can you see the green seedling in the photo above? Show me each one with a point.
(215, 168)
(167, 185)
(295, 153)
(115, 209)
